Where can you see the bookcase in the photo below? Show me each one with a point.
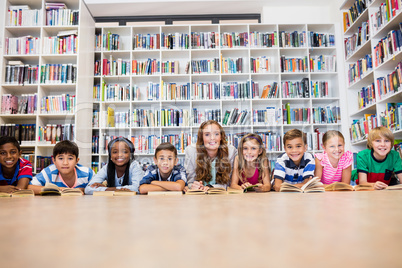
(159, 83)
(373, 56)
(46, 81)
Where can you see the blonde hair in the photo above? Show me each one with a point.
(222, 164)
(330, 134)
(262, 162)
(379, 132)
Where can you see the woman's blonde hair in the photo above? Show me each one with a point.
(378, 132)
(262, 162)
(222, 164)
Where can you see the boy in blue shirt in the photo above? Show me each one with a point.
(295, 166)
(166, 175)
(65, 172)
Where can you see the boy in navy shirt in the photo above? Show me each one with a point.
(166, 175)
(295, 166)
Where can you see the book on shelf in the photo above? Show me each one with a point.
(262, 64)
(205, 91)
(145, 67)
(164, 193)
(297, 89)
(295, 115)
(392, 116)
(390, 83)
(208, 114)
(42, 162)
(24, 133)
(359, 69)
(146, 41)
(321, 39)
(387, 47)
(314, 185)
(231, 66)
(52, 189)
(57, 14)
(292, 39)
(351, 15)
(205, 66)
(19, 73)
(175, 91)
(233, 39)
(64, 103)
(323, 63)
(23, 15)
(236, 117)
(235, 90)
(58, 73)
(259, 39)
(204, 40)
(9, 104)
(53, 133)
(383, 13)
(293, 65)
(326, 115)
(175, 40)
(320, 89)
(25, 45)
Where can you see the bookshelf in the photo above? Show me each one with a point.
(202, 71)
(369, 94)
(53, 107)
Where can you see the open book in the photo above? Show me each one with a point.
(53, 189)
(18, 193)
(312, 186)
(394, 187)
(341, 186)
(212, 190)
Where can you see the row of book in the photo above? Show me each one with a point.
(147, 67)
(356, 40)
(293, 39)
(204, 40)
(353, 13)
(323, 63)
(19, 73)
(199, 116)
(22, 15)
(359, 69)
(53, 133)
(231, 66)
(66, 44)
(24, 45)
(175, 41)
(42, 162)
(260, 64)
(366, 96)
(385, 12)
(390, 83)
(388, 47)
(360, 128)
(392, 116)
(113, 67)
(170, 67)
(146, 41)
(58, 73)
(115, 92)
(292, 65)
(211, 40)
(267, 117)
(326, 115)
(210, 91)
(61, 17)
(234, 39)
(24, 104)
(55, 104)
(295, 115)
(295, 89)
(210, 66)
(236, 117)
(24, 133)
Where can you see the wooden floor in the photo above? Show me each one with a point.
(342, 229)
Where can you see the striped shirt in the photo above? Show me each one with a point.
(22, 170)
(51, 174)
(152, 174)
(331, 174)
(287, 171)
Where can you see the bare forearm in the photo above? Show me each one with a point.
(145, 188)
(170, 185)
(36, 188)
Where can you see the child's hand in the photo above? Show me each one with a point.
(96, 185)
(123, 190)
(245, 185)
(196, 185)
(9, 189)
(259, 188)
(379, 185)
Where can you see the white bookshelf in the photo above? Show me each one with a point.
(183, 56)
(368, 48)
(82, 88)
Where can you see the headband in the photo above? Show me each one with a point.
(121, 139)
(259, 142)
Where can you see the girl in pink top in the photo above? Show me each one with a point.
(334, 164)
(251, 165)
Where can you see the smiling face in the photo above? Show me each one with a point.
(381, 146)
(211, 136)
(251, 150)
(334, 147)
(65, 163)
(9, 155)
(120, 154)
(295, 149)
(165, 160)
